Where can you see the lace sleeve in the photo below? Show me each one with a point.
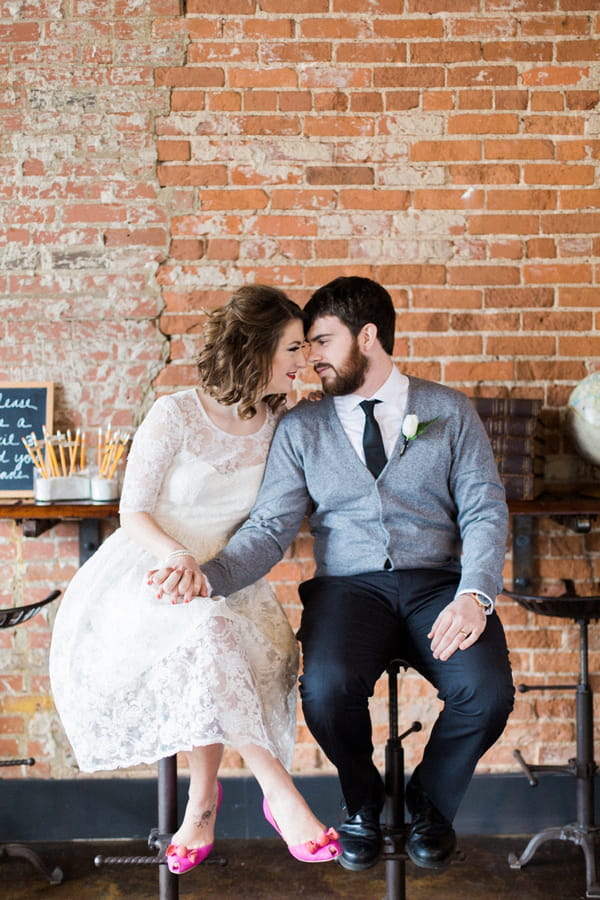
(157, 440)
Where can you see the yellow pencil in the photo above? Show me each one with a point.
(38, 453)
(36, 462)
(99, 456)
(61, 452)
(73, 447)
(115, 463)
(50, 453)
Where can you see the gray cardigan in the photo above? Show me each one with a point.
(440, 504)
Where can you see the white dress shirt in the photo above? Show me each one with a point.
(389, 413)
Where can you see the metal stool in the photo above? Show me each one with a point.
(160, 837)
(9, 618)
(584, 831)
(394, 827)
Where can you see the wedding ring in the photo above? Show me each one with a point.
(464, 632)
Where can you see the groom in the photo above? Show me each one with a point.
(409, 522)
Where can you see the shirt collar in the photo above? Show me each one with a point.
(392, 392)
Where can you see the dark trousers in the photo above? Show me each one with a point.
(351, 627)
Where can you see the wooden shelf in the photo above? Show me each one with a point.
(40, 517)
(67, 509)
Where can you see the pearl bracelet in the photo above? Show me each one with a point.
(177, 553)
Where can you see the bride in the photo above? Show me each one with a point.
(136, 678)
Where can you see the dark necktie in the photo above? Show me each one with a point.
(372, 442)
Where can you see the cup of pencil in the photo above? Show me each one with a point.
(105, 483)
(60, 468)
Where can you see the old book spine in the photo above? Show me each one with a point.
(522, 487)
(512, 445)
(506, 406)
(523, 426)
(520, 465)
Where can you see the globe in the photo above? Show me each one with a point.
(583, 418)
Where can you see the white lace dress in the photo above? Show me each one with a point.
(136, 679)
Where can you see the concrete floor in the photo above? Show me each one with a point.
(263, 870)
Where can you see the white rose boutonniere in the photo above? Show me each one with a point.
(412, 428)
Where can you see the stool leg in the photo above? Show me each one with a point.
(584, 833)
(393, 834)
(167, 822)
(394, 829)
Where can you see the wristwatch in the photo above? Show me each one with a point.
(483, 602)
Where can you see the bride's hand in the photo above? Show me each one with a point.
(179, 583)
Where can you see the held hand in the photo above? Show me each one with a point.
(180, 582)
(457, 627)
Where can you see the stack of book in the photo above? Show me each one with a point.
(515, 432)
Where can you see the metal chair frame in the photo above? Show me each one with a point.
(10, 618)
(584, 832)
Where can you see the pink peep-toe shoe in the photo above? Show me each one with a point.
(181, 859)
(324, 849)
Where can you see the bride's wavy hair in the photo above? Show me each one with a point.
(240, 339)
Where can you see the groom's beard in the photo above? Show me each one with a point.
(349, 376)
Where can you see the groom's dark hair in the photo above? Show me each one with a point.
(355, 301)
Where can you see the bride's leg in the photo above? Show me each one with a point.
(290, 810)
(198, 826)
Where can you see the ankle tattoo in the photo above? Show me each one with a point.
(204, 817)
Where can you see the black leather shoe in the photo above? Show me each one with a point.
(360, 837)
(431, 839)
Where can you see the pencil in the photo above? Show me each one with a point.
(73, 450)
(37, 462)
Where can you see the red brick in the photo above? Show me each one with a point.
(445, 298)
(409, 76)
(408, 28)
(579, 296)
(221, 52)
(549, 25)
(189, 77)
(447, 199)
(485, 174)
(483, 275)
(520, 199)
(188, 100)
(558, 174)
(544, 247)
(220, 7)
(479, 76)
(547, 101)
(522, 51)
(260, 101)
(173, 150)
(192, 174)
(518, 148)
(503, 224)
(186, 248)
(321, 175)
(561, 125)
(556, 272)
(567, 51)
(481, 123)
(571, 223)
(263, 78)
(439, 151)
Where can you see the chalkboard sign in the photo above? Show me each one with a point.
(24, 408)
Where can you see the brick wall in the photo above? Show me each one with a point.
(150, 161)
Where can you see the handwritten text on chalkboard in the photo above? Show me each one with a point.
(24, 409)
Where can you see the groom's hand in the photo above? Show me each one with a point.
(457, 627)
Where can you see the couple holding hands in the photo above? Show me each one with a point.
(169, 639)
